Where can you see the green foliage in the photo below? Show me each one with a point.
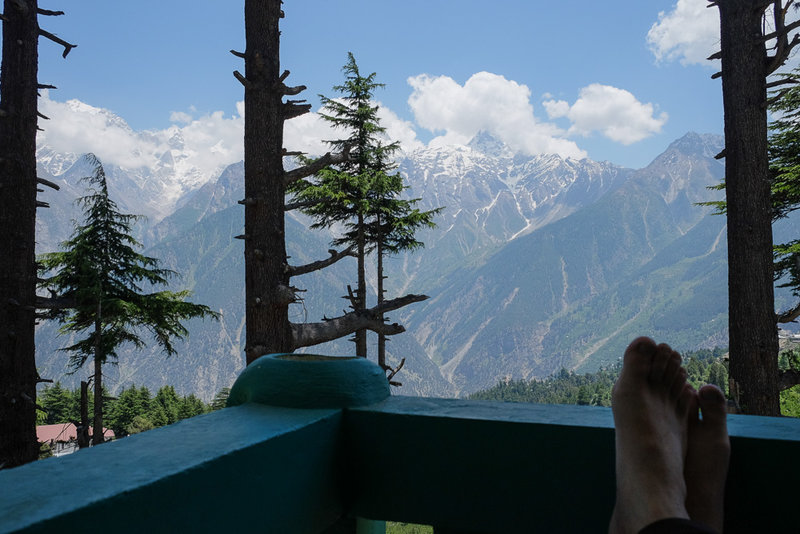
(784, 156)
(131, 403)
(60, 405)
(45, 451)
(565, 387)
(100, 279)
(705, 366)
(190, 405)
(139, 424)
(220, 399)
(407, 528)
(134, 410)
(164, 407)
(361, 194)
(790, 398)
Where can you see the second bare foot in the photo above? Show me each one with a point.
(650, 402)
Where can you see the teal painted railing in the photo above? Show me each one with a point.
(462, 466)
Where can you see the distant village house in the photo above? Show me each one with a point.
(63, 437)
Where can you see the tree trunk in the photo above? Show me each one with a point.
(752, 329)
(381, 335)
(361, 291)
(83, 427)
(18, 86)
(97, 424)
(267, 291)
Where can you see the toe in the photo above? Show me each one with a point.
(712, 405)
(661, 361)
(638, 357)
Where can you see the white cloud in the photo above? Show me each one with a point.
(308, 133)
(204, 144)
(399, 130)
(689, 33)
(487, 102)
(208, 143)
(613, 112)
(181, 117)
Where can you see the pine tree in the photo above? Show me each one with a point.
(391, 227)
(341, 193)
(100, 281)
(359, 194)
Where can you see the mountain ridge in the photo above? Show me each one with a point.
(507, 237)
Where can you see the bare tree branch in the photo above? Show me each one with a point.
(784, 81)
(238, 54)
(321, 264)
(48, 13)
(294, 108)
(54, 303)
(307, 334)
(48, 183)
(777, 97)
(789, 315)
(395, 370)
(784, 31)
(238, 75)
(291, 91)
(46, 86)
(314, 167)
(782, 47)
(67, 46)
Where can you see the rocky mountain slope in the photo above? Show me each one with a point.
(537, 263)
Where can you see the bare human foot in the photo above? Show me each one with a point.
(707, 457)
(651, 402)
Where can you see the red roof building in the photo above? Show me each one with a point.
(63, 437)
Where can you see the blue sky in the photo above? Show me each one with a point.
(613, 81)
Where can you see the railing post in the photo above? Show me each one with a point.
(314, 381)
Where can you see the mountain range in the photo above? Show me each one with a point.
(538, 263)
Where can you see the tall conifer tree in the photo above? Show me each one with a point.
(359, 193)
(101, 280)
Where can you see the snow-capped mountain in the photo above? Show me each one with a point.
(491, 196)
(149, 171)
(537, 262)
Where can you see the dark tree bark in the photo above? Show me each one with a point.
(752, 328)
(83, 426)
(18, 119)
(381, 292)
(267, 290)
(97, 416)
(360, 303)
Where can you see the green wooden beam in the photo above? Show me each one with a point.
(239, 469)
